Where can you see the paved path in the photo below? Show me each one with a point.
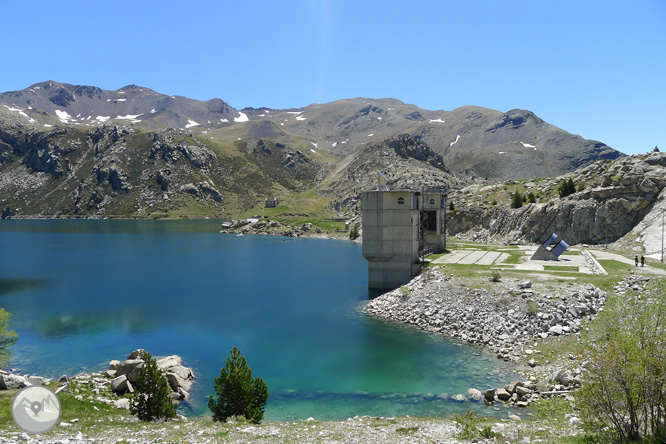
(452, 258)
(531, 267)
(482, 257)
(468, 257)
(489, 258)
(473, 257)
(607, 255)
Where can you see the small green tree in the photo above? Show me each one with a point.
(531, 197)
(656, 149)
(6, 335)
(151, 400)
(567, 188)
(238, 393)
(516, 200)
(451, 206)
(353, 232)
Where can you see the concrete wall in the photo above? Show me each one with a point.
(390, 237)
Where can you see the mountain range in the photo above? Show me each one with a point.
(81, 151)
(471, 140)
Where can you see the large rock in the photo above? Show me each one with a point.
(474, 394)
(522, 391)
(169, 362)
(177, 382)
(174, 364)
(123, 403)
(503, 395)
(459, 398)
(133, 376)
(36, 380)
(12, 382)
(555, 330)
(525, 284)
(65, 388)
(121, 385)
(126, 367)
(138, 354)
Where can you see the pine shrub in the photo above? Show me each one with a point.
(238, 393)
(6, 335)
(151, 400)
(566, 188)
(516, 200)
(353, 232)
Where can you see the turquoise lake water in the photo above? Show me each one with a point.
(82, 293)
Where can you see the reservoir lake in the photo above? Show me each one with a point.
(84, 292)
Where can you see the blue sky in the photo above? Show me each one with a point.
(594, 68)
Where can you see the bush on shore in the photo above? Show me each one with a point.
(624, 395)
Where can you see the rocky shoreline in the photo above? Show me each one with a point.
(507, 318)
(241, 227)
(109, 386)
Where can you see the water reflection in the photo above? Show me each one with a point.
(129, 321)
(13, 285)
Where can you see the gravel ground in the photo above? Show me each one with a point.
(353, 430)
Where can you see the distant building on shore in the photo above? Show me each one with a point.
(399, 228)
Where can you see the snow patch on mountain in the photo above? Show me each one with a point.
(242, 118)
(63, 116)
(527, 145)
(21, 112)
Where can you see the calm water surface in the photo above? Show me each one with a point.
(84, 292)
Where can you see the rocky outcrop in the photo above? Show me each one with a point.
(406, 162)
(613, 198)
(166, 146)
(407, 146)
(270, 227)
(106, 171)
(127, 372)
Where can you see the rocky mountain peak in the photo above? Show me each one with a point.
(515, 119)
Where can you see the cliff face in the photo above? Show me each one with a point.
(406, 161)
(613, 197)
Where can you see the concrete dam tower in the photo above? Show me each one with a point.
(400, 227)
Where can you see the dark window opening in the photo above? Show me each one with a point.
(430, 221)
